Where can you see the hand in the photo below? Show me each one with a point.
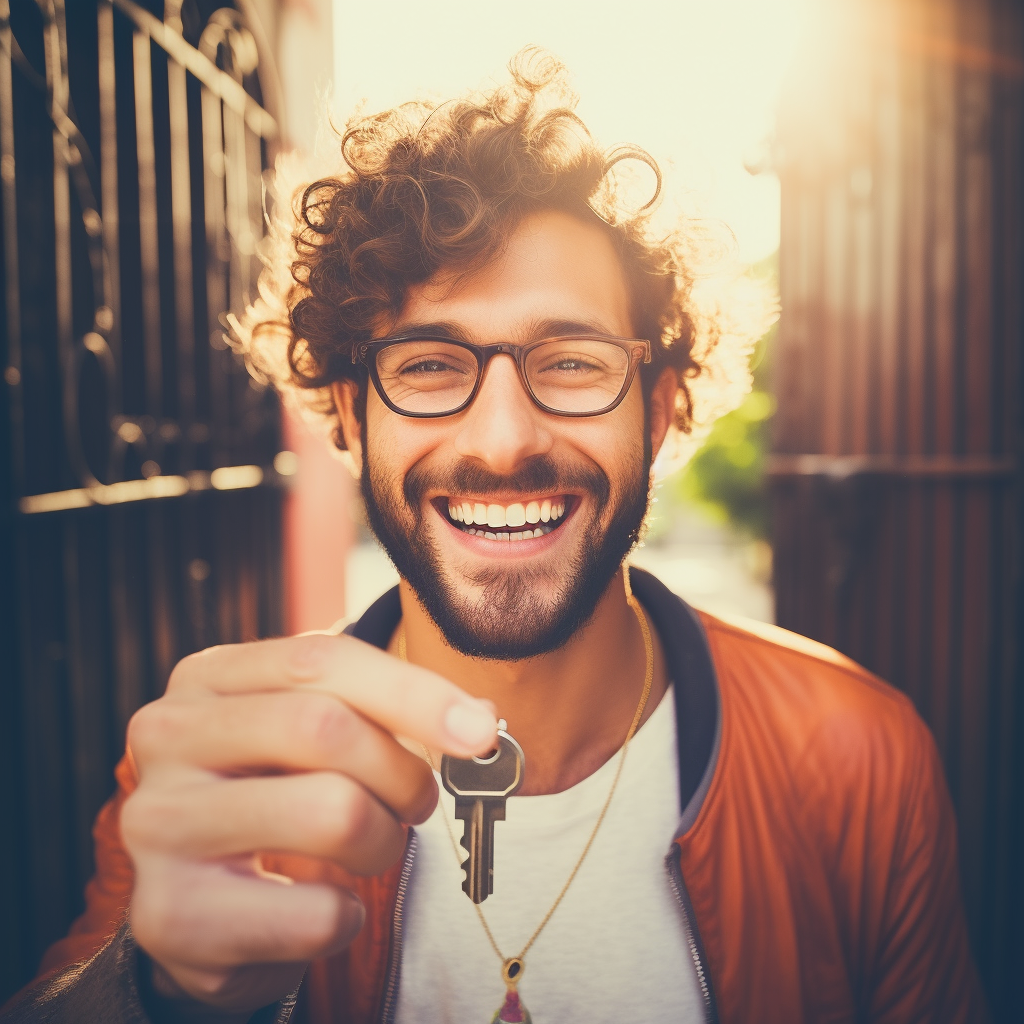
(284, 745)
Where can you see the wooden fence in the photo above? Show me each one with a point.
(896, 478)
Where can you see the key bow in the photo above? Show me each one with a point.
(481, 785)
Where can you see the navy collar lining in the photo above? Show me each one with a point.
(689, 664)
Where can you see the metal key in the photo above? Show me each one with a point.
(481, 785)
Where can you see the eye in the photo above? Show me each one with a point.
(570, 364)
(425, 363)
(429, 366)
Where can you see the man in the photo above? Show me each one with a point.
(505, 352)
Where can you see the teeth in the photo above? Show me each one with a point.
(498, 517)
(524, 535)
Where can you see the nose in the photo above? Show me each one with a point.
(502, 428)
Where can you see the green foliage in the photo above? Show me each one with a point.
(726, 477)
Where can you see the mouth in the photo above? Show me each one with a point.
(518, 521)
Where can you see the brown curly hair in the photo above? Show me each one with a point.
(431, 188)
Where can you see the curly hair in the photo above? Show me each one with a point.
(426, 189)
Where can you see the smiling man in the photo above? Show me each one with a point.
(508, 525)
(502, 351)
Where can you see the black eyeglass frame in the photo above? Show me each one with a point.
(366, 352)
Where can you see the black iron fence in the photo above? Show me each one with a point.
(140, 501)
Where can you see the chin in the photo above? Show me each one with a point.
(512, 619)
(509, 608)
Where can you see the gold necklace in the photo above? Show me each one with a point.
(512, 968)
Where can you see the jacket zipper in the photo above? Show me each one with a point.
(693, 943)
(389, 1002)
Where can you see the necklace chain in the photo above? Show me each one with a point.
(634, 725)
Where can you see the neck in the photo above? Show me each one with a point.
(570, 709)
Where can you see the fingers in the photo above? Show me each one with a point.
(212, 916)
(320, 814)
(285, 745)
(285, 731)
(404, 699)
(282, 745)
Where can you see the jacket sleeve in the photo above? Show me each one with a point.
(103, 987)
(923, 969)
(110, 986)
(109, 891)
(91, 973)
(96, 973)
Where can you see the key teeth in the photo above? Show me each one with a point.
(466, 888)
(464, 843)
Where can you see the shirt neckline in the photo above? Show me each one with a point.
(586, 797)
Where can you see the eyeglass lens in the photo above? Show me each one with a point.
(572, 375)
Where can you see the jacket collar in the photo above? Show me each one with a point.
(689, 664)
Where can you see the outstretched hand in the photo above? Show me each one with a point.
(282, 745)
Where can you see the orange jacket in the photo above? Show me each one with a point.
(816, 859)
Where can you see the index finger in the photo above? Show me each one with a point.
(405, 699)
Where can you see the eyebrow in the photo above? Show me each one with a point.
(536, 330)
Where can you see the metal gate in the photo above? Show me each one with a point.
(140, 504)
(897, 475)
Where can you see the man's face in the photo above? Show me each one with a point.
(504, 592)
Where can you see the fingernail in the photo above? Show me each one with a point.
(470, 724)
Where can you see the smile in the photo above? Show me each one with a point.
(516, 522)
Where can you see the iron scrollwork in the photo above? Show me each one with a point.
(173, 447)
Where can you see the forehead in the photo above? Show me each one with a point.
(554, 268)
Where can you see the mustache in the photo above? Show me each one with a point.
(541, 473)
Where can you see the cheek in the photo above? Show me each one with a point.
(634, 438)
(615, 441)
(396, 443)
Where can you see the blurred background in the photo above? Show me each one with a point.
(156, 499)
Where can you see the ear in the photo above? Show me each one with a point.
(344, 393)
(663, 408)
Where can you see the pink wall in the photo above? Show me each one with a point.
(318, 532)
(318, 524)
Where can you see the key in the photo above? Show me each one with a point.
(481, 785)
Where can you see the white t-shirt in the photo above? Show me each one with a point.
(615, 948)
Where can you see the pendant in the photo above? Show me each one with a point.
(512, 1010)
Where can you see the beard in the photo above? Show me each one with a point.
(503, 623)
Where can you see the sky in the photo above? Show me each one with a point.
(694, 82)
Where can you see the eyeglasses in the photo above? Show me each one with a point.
(423, 376)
